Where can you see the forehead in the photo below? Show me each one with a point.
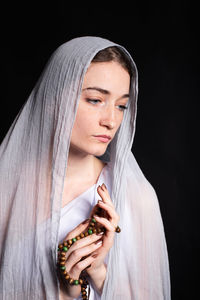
(107, 75)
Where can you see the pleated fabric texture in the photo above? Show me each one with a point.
(33, 162)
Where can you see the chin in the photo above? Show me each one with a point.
(97, 151)
(91, 149)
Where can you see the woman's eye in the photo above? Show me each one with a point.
(93, 101)
(122, 107)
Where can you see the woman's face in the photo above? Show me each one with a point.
(105, 93)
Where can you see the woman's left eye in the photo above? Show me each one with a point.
(93, 101)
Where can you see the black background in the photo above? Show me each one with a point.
(163, 40)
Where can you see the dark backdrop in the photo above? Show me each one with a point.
(164, 43)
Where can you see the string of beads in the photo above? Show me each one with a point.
(94, 227)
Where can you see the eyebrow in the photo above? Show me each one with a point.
(103, 91)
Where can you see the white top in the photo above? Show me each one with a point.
(80, 208)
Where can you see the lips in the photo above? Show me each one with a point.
(103, 138)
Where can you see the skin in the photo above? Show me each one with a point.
(105, 92)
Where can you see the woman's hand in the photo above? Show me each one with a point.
(89, 252)
(109, 220)
(79, 257)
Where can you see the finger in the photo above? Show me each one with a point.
(114, 217)
(78, 254)
(86, 241)
(106, 223)
(82, 265)
(103, 193)
(78, 230)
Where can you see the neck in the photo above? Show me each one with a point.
(81, 165)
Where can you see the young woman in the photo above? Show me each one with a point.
(69, 180)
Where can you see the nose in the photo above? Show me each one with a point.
(108, 118)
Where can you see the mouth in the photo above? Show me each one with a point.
(103, 138)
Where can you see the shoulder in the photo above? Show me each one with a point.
(139, 189)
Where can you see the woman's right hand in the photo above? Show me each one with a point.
(79, 257)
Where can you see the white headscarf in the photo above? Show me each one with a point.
(33, 162)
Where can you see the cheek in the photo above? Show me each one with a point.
(119, 120)
(85, 122)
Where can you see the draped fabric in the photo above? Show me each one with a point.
(79, 209)
(33, 162)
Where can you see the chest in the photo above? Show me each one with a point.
(73, 190)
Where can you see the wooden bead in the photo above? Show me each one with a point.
(70, 242)
(71, 281)
(82, 235)
(78, 237)
(67, 277)
(65, 243)
(62, 253)
(63, 258)
(118, 229)
(81, 281)
(84, 293)
(86, 233)
(60, 246)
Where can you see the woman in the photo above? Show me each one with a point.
(75, 133)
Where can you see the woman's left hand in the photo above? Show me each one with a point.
(109, 223)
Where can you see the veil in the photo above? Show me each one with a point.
(33, 162)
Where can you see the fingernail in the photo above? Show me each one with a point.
(100, 187)
(100, 233)
(104, 186)
(100, 201)
(86, 221)
(94, 255)
(98, 242)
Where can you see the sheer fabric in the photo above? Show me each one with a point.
(33, 162)
(79, 209)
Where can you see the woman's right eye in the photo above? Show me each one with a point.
(93, 101)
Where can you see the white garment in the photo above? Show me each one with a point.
(79, 209)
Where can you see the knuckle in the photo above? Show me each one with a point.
(76, 254)
(92, 238)
(69, 236)
(78, 267)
